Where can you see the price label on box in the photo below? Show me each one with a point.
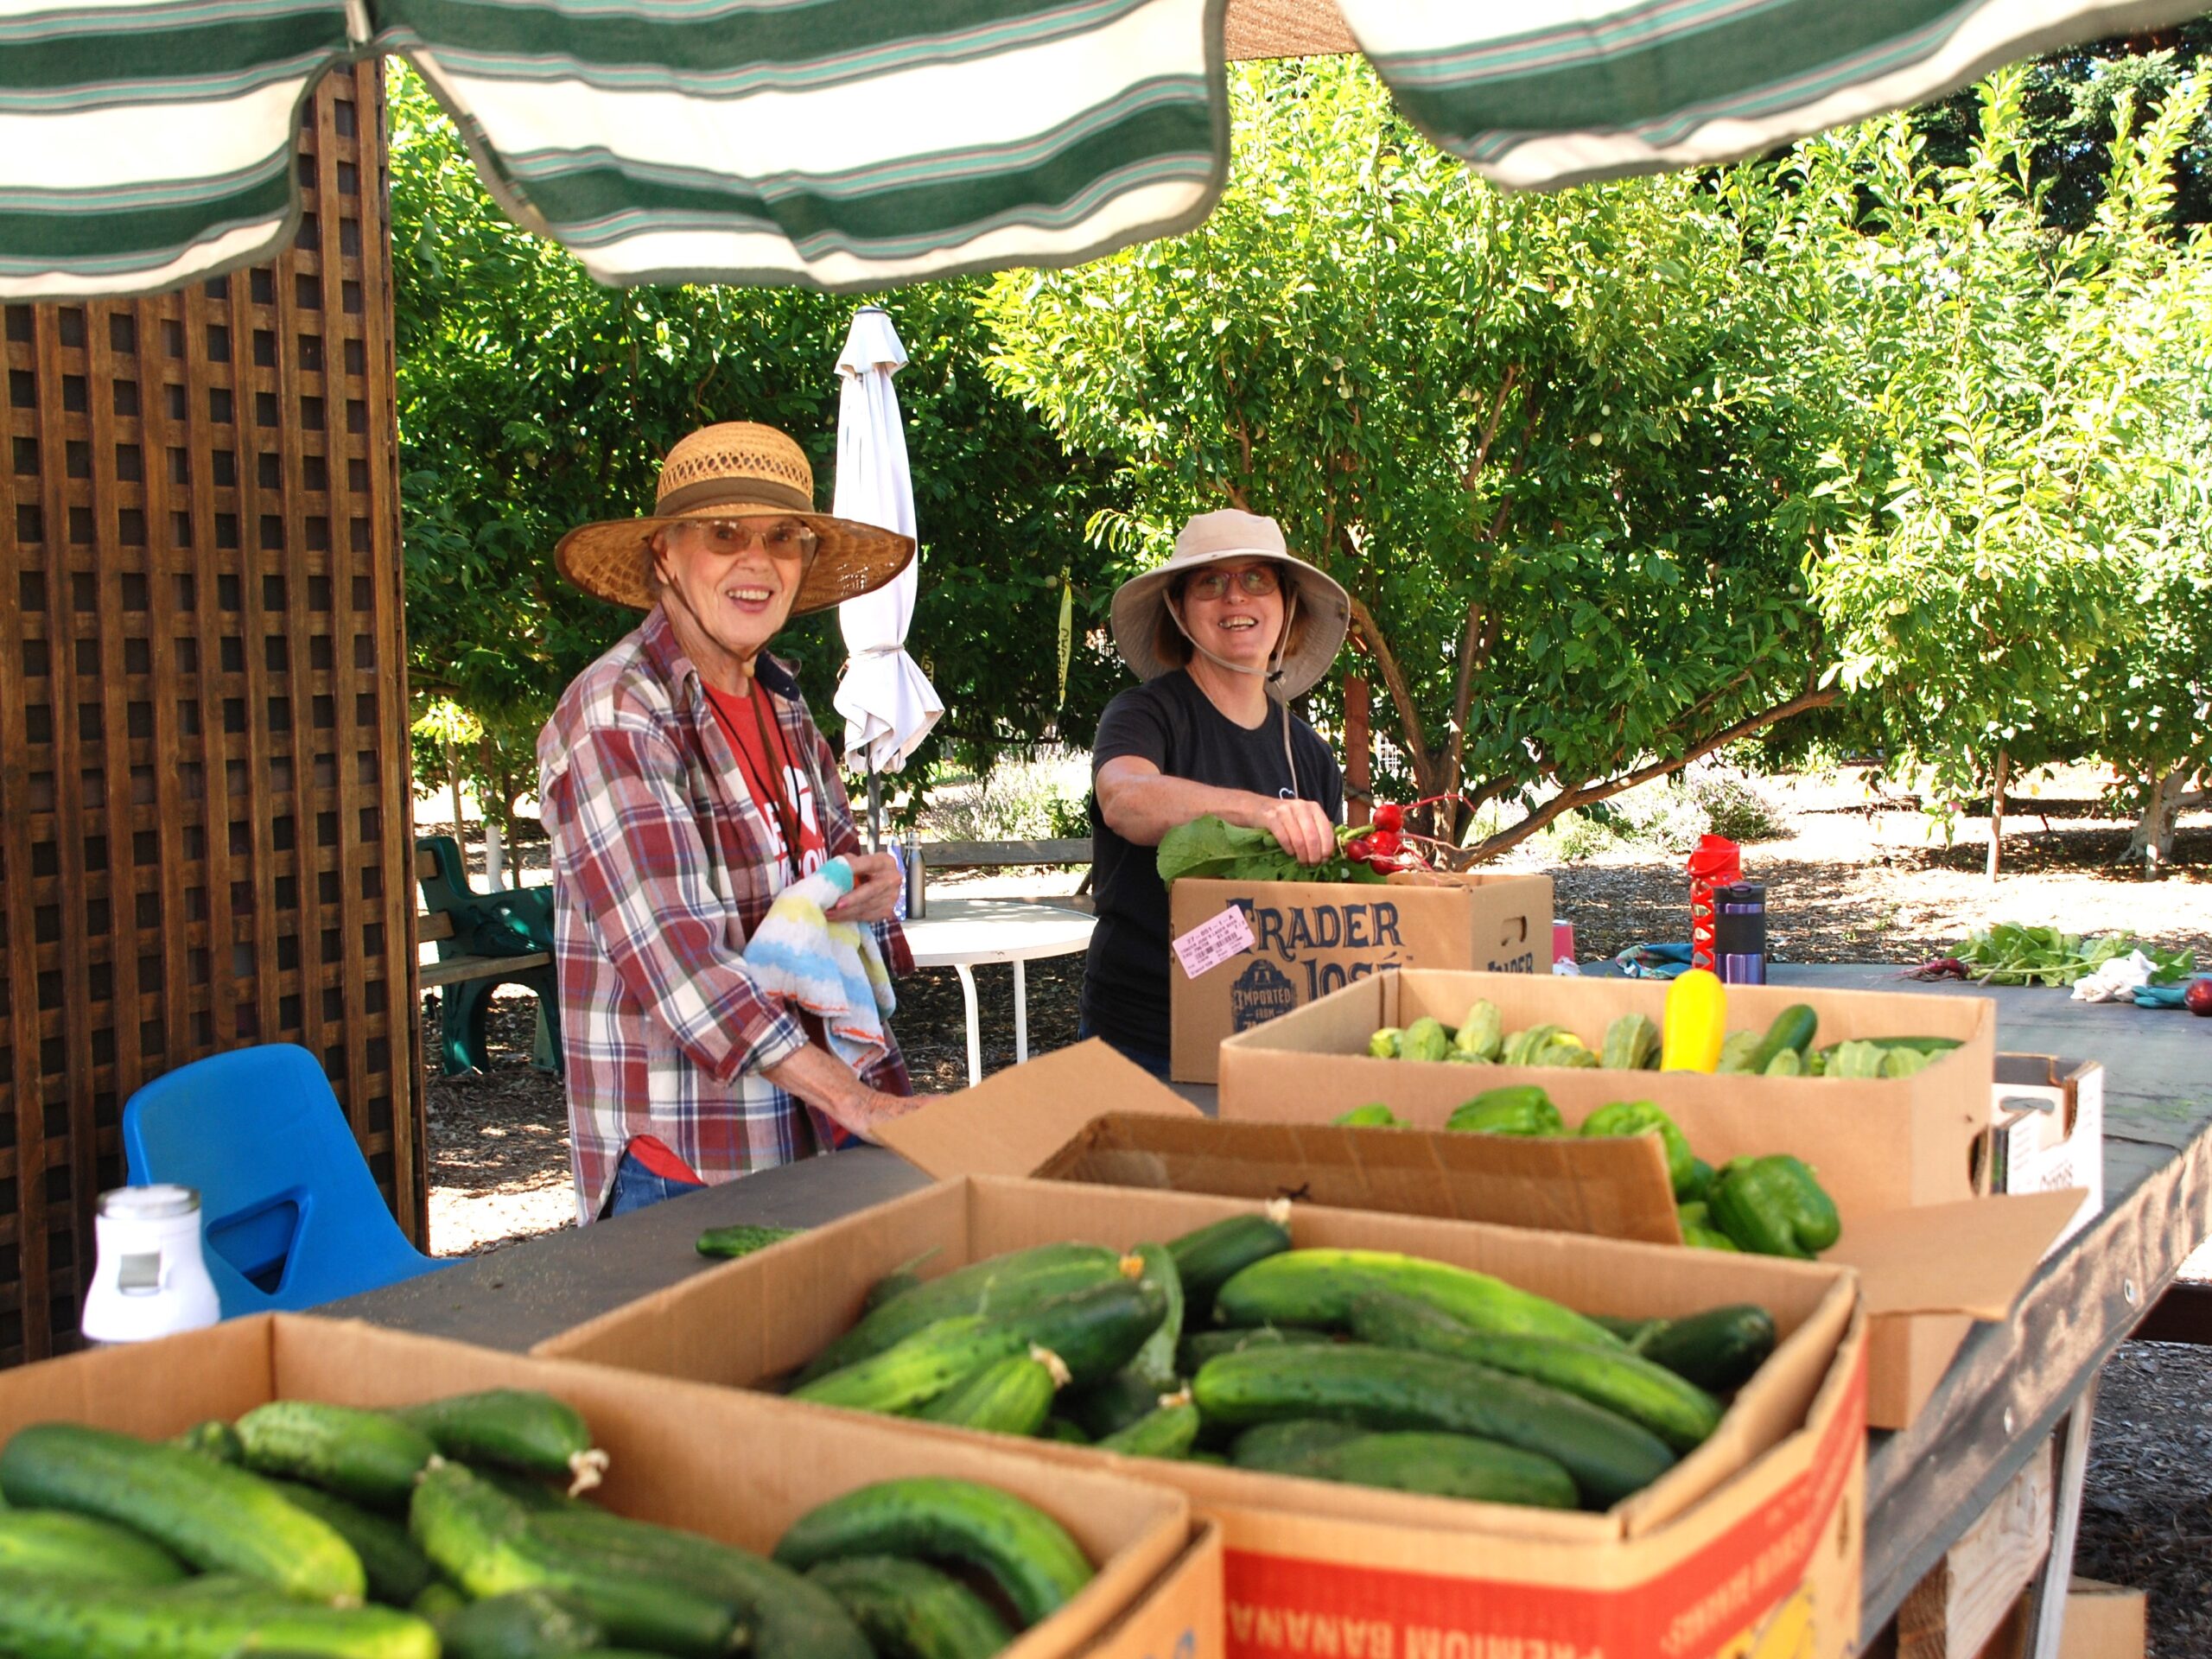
(1210, 943)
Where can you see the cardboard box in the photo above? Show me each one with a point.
(737, 1467)
(1882, 1145)
(1312, 938)
(2103, 1621)
(2049, 1134)
(1722, 1546)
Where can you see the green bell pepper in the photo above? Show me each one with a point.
(1373, 1115)
(1640, 1117)
(1773, 1206)
(1521, 1108)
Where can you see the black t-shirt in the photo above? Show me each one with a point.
(1171, 722)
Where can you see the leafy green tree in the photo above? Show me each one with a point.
(1533, 435)
(532, 399)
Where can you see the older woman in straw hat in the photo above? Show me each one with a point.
(1223, 636)
(684, 785)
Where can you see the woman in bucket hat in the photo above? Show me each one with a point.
(684, 785)
(1223, 636)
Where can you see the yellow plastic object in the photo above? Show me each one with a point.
(1696, 1024)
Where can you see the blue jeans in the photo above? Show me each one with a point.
(1152, 1059)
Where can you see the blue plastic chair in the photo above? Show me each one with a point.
(289, 1214)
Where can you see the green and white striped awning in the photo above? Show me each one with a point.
(858, 143)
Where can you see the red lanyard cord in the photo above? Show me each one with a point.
(773, 753)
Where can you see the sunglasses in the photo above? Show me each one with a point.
(1257, 582)
(779, 538)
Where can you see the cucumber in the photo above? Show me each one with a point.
(1027, 1554)
(1169, 1432)
(487, 1543)
(1060, 1429)
(79, 1548)
(1156, 1361)
(210, 1515)
(889, 1289)
(1113, 1405)
(438, 1602)
(1011, 1396)
(1202, 1345)
(1391, 1388)
(397, 1572)
(522, 1429)
(1631, 1332)
(1437, 1465)
(215, 1437)
(1792, 1029)
(47, 1618)
(1676, 1410)
(521, 1624)
(788, 1617)
(1274, 1447)
(991, 1285)
(1094, 1332)
(1716, 1350)
(741, 1238)
(908, 1611)
(1209, 1257)
(370, 1456)
(1317, 1287)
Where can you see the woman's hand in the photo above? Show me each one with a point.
(823, 1081)
(1303, 828)
(878, 888)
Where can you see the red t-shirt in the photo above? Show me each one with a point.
(762, 771)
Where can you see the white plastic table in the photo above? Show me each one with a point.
(958, 933)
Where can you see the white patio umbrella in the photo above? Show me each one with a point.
(888, 703)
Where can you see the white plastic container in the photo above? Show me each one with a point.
(150, 1279)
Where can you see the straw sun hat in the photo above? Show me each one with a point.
(736, 469)
(1141, 602)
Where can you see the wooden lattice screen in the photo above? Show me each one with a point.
(203, 742)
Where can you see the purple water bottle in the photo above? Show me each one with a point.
(1739, 933)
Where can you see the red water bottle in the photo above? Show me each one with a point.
(1717, 862)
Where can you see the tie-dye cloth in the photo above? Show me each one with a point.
(831, 969)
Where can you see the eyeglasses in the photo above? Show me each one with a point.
(1257, 580)
(779, 538)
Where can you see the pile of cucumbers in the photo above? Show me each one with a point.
(1229, 1346)
(459, 1527)
(1631, 1043)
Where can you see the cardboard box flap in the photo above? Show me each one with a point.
(1973, 1257)
(1011, 1123)
(1608, 1188)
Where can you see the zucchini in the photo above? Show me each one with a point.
(1011, 1396)
(210, 1515)
(1200, 1346)
(521, 1624)
(788, 1617)
(216, 1438)
(397, 1571)
(488, 1544)
(1317, 1287)
(1437, 1465)
(992, 1286)
(523, 1429)
(908, 1611)
(1027, 1554)
(1716, 1350)
(1156, 1361)
(1168, 1431)
(1209, 1257)
(1094, 1332)
(1675, 1409)
(1793, 1029)
(1390, 1389)
(43, 1617)
(370, 1456)
(1274, 1447)
(80, 1548)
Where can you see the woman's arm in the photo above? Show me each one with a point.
(1142, 803)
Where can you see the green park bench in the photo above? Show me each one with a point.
(484, 939)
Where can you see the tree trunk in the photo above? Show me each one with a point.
(2152, 840)
(453, 781)
(1996, 812)
(1359, 752)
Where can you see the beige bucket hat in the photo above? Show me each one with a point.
(1210, 538)
(725, 472)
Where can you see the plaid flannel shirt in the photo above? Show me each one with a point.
(663, 866)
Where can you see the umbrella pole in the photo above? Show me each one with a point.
(874, 807)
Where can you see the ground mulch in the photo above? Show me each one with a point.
(1858, 877)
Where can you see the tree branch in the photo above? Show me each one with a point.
(1489, 427)
(1401, 693)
